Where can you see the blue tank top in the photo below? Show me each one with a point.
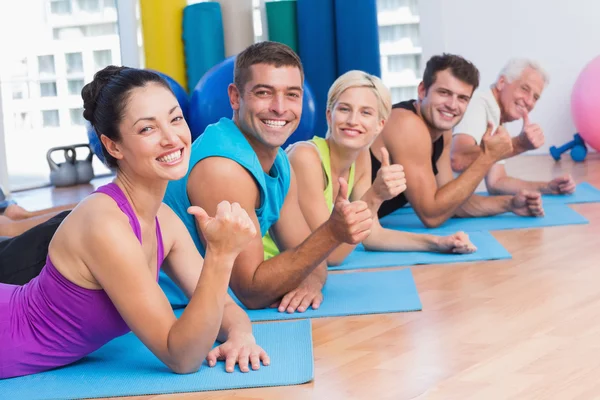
(224, 139)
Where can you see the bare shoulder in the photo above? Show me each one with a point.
(406, 131)
(215, 179)
(304, 157)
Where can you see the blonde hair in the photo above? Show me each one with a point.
(353, 79)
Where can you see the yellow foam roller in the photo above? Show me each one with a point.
(161, 31)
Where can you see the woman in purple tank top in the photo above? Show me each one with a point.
(100, 278)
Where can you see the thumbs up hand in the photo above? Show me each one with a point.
(390, 180)
(350, 222)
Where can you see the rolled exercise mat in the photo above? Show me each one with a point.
(126, 367)
(281, 21)
(488, 248)
(238, 25)
(356, 293)
(161, 32)
(357, 33)
(203, 39)
(317, 50)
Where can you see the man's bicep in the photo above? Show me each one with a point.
(445, 173)
(414, 154)
(211, 182)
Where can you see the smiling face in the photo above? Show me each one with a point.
(154, 138)
(444, 104)
(520, 95)
(269, 106)
(354, 120)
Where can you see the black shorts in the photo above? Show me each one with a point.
(23, 257)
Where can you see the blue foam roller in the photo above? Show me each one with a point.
(125, 367)
(203, 39)
(488, 248)
(555, 215)
(357, 31)
(357, 293)
(317, 50)
(209, 103)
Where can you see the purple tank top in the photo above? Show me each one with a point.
(51, 322)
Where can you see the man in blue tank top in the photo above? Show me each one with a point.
(418, 136)
(240, 160)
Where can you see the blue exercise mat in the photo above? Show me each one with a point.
(556, 214)
(355, 294)
(488, 248)
(125, 367)
(317, 50)
(357, 33)
(203, 40)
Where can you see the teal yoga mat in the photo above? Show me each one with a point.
(357, 293)
(488, 248)
(556, 214)
(125, 367)
(203, 40)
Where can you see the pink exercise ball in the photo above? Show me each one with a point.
(585, 103)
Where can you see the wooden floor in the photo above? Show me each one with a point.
(525, 328)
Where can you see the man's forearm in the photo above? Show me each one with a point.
(454, 193)
(483, 206)
(285, 272)
(508, 186)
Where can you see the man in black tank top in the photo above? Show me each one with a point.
(418, 135)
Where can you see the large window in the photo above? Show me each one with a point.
(60, 7)
(400, 47)
(67, 41)
(46, 65)
(48, 89)
(74, 86)
(76, 115)
(74, 63)
(50, 119)
(102, 58)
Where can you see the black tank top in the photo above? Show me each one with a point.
(389, 206)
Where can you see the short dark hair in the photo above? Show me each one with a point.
(460, 68)
(271, 53)
(105, 98)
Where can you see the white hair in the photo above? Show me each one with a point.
(514, 69)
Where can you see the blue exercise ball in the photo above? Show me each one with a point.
(209, 103)
(95, 144)
(180, 93)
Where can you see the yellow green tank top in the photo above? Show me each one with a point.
(270, 248)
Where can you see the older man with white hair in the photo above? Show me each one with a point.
(513, 96)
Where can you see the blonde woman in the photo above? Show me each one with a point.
(358, 106)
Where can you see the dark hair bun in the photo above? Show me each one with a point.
(92, 90)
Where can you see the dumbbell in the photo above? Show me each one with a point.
(577, 147)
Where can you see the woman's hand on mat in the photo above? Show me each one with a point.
(229, 231)
(350, 222)
(390, 180)
(239, 349)
(527, 204)
(562, 185)
(308, 294)
(457, 243)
